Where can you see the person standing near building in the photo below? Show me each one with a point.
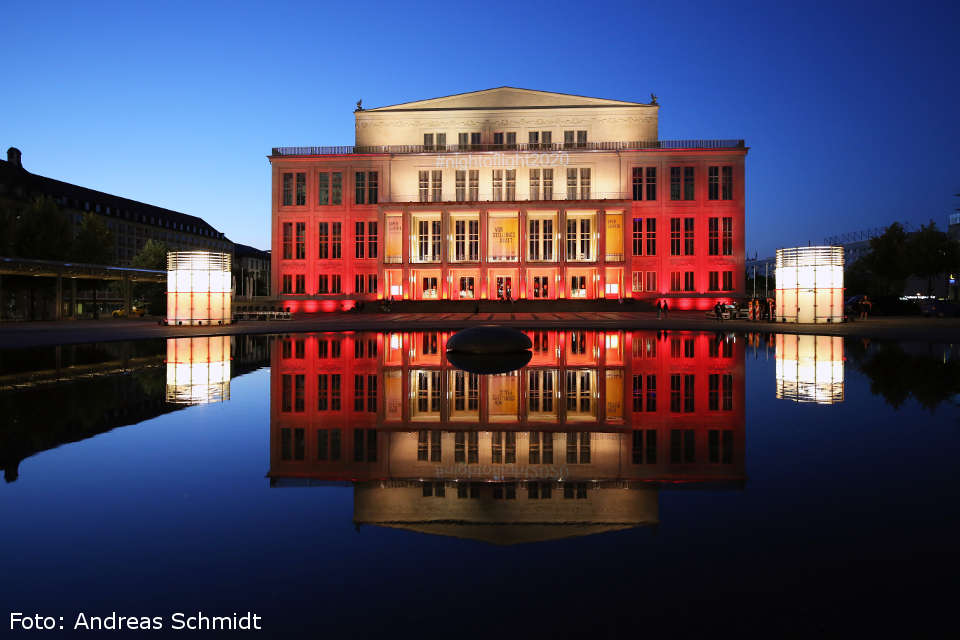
(666, 308)
(659, 310)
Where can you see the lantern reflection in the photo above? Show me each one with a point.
(198, 288)
(810, 368)
(198, 370)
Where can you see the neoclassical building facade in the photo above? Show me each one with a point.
(512, 194)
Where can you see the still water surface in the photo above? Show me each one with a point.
(358, 485)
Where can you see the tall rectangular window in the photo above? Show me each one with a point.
(287, 284)
(584, 184)
(675, 182)
(674, 236)
(713, 183)
(359, 240)
(547, 184)
(638, 236)
(287, 189)
(674, 281)
(713, 281)
(534, 184)
(728, 236)
(497, 185)
(688, 281)
(651, 236)
(301, 248)
(287, 240)
(360, 182)
(473, 193)
(720, 183)
(323, 240)
(336, 241)
(638, 183)
(301, 189)
(713, 236)
(511, 186)
(436, 185)
(323, 283)
(323, 188)
(571, 184)
(301, 283)
(688, 236)
(424, 186)
(688, 183)
(728, 280)
(460, 185)
(336, 188)
(651, 183)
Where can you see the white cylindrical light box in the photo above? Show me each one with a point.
(809, 285)
(198, 288)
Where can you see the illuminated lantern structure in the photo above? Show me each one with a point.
(809, 285)
(198, 370)
(198, 288)
(810, 368)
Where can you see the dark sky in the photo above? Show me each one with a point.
(849, 108)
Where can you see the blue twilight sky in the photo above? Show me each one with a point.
(849, 108)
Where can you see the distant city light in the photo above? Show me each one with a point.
(809, 285)
(198, 288)
(809, 368)
(198, 370)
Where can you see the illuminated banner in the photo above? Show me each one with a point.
(394, 239)
(504, 403)
(504, 239)
(614, 393)
(614, 236)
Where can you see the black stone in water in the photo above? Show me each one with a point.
(489, 340)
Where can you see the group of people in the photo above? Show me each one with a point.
(662, 309)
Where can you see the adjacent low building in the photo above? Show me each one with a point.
(132, 223)
(512, 194)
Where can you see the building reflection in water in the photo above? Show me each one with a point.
(579, 441)
(809, 368)
(198, 370)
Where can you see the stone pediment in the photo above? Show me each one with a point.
(506, 98)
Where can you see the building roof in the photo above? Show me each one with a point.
(246, 251)
(507, 98)
(13, 174)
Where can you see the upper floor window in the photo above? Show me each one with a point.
(720, 183)
(287, 240)
(574, 139)
(505, 140)
(466, 240)
(431, 186)
(504, 184)
(540, 236)
(540, 139)
(329, 240)
(301, 252)
(428, 240)
(468, 140)
(366, 183)
(584, 191)
(541, 179)
(329, 188)
(644, 183)
(294, 189)
(428, 142)
(580, 238)
(681, 183)
(688, 236)
(727, 245)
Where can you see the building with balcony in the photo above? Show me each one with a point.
(579, 441)
(508, 194)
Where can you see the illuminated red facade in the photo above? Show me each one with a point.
(601, 215)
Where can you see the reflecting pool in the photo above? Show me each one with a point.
(359, 485)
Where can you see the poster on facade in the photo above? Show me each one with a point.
(504, 239)
(614, 236)
(394, 239)
(614, 394)
(503, 396)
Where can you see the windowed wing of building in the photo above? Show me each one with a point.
(581, 236)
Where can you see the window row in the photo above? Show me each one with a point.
(330, 188)
(329, 392)
(329, 283)
(329, 240)
(328, 444)
(437, 141)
